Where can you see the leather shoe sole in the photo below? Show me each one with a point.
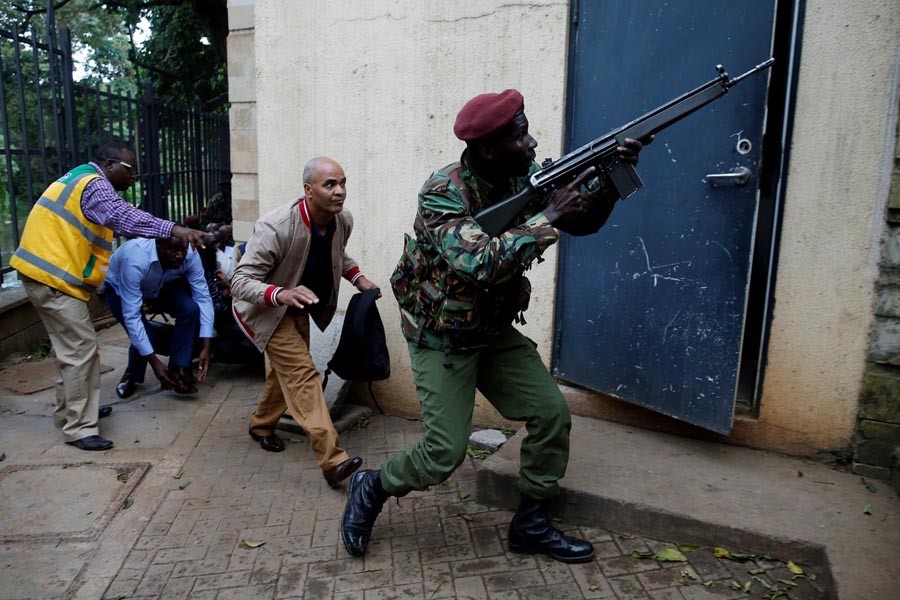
(269, 443)
(566, 558)
(105, 411)
(92, 442)
(335, 475)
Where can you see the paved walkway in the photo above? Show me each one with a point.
(211, 515)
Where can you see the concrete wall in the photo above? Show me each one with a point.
(839, 174)
(21, 327)
(376, 86)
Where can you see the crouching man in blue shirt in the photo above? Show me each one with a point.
(167, 275)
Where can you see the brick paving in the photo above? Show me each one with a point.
(431, 545)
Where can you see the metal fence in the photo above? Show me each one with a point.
(49, 123)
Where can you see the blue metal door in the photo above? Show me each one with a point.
(651, 309)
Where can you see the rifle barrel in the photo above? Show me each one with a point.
(763, 65)
(600, 152)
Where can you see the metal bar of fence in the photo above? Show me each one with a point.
(69, 104)
(10, 183)
(211, 182)
(109, 114)
(177, 140)
(198, 158)
(119, 119)
(20, 88)
(98, 106)
(86, 96)
(158, 174)
(211, 163)
(213, 152)
(191, 176)
(128, 134)
(96, 122)
(197, 161)
(154, 178)
(40, 106)
(159, 184)
(182, 156)
(185, 126)
(171, 168)
(58, 110)
(152, 123)
(183, 137)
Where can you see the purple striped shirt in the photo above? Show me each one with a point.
(102, 205)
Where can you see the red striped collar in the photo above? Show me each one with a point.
(304, 213)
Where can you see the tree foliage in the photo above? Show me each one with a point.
(178, 63)
(174, 59)
(184, 56)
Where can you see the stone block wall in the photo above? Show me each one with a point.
(242, 117)
(877, 440)
(21, 327)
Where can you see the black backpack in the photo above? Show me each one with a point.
(362, 353)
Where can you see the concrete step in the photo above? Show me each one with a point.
(696, 492)
(348, 417)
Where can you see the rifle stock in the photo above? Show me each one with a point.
(601, 152)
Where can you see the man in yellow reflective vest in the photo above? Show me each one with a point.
(62, 259)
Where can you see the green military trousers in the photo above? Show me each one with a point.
(510, 374)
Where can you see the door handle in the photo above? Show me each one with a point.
(740, 176)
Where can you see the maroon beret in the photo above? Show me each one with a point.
(486, 113)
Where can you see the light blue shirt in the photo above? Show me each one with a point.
(135, 273)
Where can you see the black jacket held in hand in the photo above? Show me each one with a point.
(362, 353)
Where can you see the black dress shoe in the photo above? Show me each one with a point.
(92, 442)
(187, 375)
(125, 387)
(530, 532)
(105, 410)
(365, 498)
(335, 475)
(270, 443)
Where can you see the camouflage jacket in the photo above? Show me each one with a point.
(456, 285)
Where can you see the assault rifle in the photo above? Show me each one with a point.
(601, 153)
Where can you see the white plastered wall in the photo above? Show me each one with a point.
(838, 184)
(376, 85)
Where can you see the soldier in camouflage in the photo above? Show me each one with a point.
(460, 291)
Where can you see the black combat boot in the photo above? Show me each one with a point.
(365, 497)
(530, 532)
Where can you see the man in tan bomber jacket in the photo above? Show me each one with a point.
(290, 272)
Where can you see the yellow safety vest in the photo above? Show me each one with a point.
(60, 247)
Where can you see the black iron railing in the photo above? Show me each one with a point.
(49, 123)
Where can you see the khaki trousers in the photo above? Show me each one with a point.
(292, 381)
(74, 340)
